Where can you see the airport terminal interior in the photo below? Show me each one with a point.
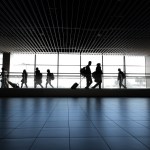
(62, 36)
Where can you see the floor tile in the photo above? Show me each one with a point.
(105, 124)
(31, 124)
(88, 144)
(24, 133)
(145, 140)
(9, 124)
(139, 132)
(16, 144)
(56, 124)
(124, 143)
(54, 132)
(4, 132)
(83, 132)
(128, 124)
(51, 144)
(80, 124)
(110, 132)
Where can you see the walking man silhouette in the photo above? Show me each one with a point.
(88, 75)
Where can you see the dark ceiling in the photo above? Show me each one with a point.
(93, 26)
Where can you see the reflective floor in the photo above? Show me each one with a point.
(74, 123)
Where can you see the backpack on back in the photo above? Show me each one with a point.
(123, 75)
(83, 71)
(52, 76)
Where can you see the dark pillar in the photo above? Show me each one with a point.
(80, 69)
(103, 71)
(6, 61)
(34, 68)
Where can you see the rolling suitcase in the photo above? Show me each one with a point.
(74, 86)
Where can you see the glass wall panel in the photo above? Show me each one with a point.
(84, 62)
(135, 72)
(44, 62)
(111, 64)
(69, 70)
(19, 62)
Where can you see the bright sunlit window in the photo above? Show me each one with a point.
(135, 69)
(19, 62)
(111, 64)
(66, 68)
(47, 61)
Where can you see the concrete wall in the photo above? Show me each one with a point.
(147, 70)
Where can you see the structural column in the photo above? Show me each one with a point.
(147, 71)
(6, 61)
(34, 69)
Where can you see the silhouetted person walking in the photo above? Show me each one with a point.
(38, 78)
(97, 75)
(49, 78)
(4, 80)
(120, 78)
(24, 78)
(88, 75)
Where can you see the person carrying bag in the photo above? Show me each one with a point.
(97, 75)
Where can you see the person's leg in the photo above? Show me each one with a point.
(120, 84)
(123, 85)
(86, 82)
(99, 85)
(26, 85)
(21, 84)
(89, 81)
(50, 84)
(95, 86)
(41, 85)
(36, 84)
(46, 84)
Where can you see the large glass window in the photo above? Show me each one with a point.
(66, 69)
(84, 62)
(19, 62)
(69, 70)
(111, 63)
(44, 62)
(135, 72)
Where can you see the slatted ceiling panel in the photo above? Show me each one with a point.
(74, 26)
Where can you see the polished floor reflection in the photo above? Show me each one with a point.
(75, 123)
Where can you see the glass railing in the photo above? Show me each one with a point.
(66, 80)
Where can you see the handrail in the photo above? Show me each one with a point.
(109, 79)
